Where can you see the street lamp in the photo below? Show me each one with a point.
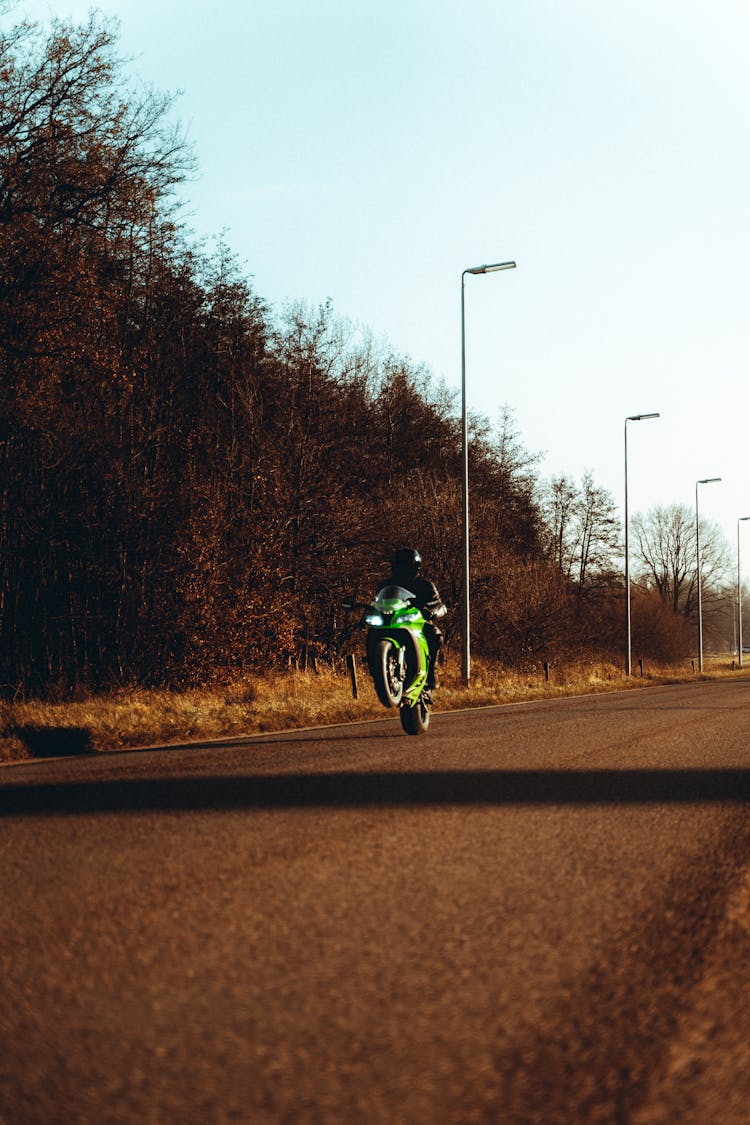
(465, 641)
(706, 480)
(630, 418)
(739, 589)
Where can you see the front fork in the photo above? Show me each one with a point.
(401, 657)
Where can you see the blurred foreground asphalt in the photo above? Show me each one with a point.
(537, 913)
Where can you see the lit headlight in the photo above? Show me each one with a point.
(374, 619)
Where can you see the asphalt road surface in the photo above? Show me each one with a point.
(537, 913)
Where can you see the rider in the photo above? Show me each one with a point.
(405, 566)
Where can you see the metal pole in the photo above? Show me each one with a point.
(627, 560)
(698, 560)
(466, 615)
(739, 599)
(739, 591)
(706, 480)
(628, 662)
(465, 612)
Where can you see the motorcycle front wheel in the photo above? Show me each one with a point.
(416, 719)
(386, 673)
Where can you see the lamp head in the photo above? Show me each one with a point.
(492, 268)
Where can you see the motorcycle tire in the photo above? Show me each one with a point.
(386, 673)
(416, 719)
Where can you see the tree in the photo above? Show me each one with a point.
(520, 609)
(86, 168)
(598, 533)
(559, 505)
(659, 634)
(582, 529)
(667, 559)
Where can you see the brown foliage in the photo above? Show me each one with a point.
(658, 633)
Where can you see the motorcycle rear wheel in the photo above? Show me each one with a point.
(416, 719)
(387, 674)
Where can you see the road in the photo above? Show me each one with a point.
(537, 913)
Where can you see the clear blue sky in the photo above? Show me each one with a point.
(370, 152)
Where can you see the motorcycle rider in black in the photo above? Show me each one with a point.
(405, 567)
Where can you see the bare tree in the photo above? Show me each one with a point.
(598, 532)
(559, 501)
(583, 531)
(666, 545)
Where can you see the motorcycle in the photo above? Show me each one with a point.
(398, 655)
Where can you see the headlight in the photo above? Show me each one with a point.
(374, 619)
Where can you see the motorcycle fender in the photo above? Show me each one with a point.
(375, 635)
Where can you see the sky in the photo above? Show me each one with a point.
(369, 153)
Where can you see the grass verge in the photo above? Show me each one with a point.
(252, 705)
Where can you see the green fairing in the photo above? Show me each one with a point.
(400, 669)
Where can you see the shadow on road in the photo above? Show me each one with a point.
(380, 789)
(53, 742)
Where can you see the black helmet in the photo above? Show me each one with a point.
(407, 561)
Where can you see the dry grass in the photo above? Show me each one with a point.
(140, 717)
(249, 705)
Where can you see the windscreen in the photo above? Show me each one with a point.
(394, 593)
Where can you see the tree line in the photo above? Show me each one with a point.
(191, 482)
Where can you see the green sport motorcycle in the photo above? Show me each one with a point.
(398, 656)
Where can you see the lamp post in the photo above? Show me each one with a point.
(465, 638)
(706, 480)
(630, 418)
(739, 591)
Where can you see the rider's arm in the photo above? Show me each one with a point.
(434, 608)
